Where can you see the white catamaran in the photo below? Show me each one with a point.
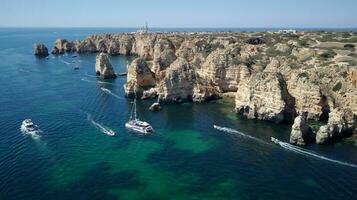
(134, 124)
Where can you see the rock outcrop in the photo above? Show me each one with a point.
(341, 123)
(308, 96)
(62, 46)
(264, 96)
(222, 68)
(178, 83)
(103, 67)
(301, 133)
(40, 50)
(139, 78)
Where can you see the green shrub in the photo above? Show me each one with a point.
(303, 74)
(351, 62)
(315, 125)
(337, 87)
(349, 46)
(303, 43)
(328, 54)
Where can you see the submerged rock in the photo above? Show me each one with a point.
(40, 50)
(155, 107)
(301, 133)
(103, 67)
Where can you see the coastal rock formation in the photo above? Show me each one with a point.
(103, 67)
(40, 50)
(222, 69)
(164, 55)
(144, 46)
(61, 46)
(139, 78)
(275, 76)
(340, 124)
(86, 46)
(301, 133)
(178, 83)
(308, 96)
(265, 96)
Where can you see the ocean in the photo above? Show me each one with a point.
(186, 158)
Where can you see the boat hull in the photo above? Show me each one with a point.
(138, 129)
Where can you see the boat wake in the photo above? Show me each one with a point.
(305, 152)
(101, 127)
(34, 134)
(65, 62)
(90, 75)
(233, 131)
(110, 93)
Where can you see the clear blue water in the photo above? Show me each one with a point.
(185, 159)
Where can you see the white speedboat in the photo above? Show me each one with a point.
(29, 127)
(134, 124)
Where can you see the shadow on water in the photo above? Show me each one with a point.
(96, 183)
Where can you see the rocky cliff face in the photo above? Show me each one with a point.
(341, 123)
(40, 50)
(139, 78)
(276, 77)
(103, 67)
(264, 96)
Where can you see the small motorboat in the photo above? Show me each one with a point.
(28, 127)
(76, 67)
(134, 124)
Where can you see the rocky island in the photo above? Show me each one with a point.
(279, 77)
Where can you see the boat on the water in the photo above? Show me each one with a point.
(28, 127)
(134, 124)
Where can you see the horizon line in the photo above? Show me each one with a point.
(181, 27)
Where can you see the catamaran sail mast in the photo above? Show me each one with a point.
(135, 109)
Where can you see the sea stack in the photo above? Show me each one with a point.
(103, 67)
(40, 50)
(301, 133)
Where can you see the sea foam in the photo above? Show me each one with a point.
(110, 93)
(310, 154)
(101, 127)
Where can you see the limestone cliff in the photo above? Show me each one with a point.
(276, 76)
(139, 78)
(265, 96)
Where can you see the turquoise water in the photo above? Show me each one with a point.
(185, 159)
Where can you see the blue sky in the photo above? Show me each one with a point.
(179, 13)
